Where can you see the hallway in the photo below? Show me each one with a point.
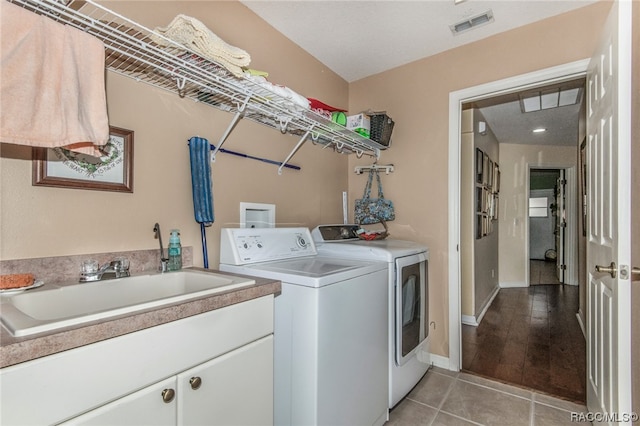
(542, 272)
(530, 337)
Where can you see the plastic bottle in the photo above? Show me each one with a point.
(175, 251)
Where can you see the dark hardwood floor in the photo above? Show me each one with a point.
(530, 337)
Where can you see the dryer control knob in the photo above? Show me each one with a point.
(302, 242)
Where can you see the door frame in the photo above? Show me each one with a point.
(550, 75)
(571, 232)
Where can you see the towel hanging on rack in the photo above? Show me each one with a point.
(67, 107)
(201, 183)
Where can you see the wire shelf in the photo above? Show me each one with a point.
(132, 51)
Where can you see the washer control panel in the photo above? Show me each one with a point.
(241, 246)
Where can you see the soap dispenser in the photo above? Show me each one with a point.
(175, 251)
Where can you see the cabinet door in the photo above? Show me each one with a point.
(233, 389)
(145, 407)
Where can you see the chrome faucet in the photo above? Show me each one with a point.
(164, 261)
(118, 268)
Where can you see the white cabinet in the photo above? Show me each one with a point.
(120, 381)
(145, 407)
(233, 389)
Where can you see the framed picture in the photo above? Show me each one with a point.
(490, 174)
(479, 165)
(113, 171)
(488, 203)
(583, 184)
(496, 203)
(479, 226)
(496, 178)
(485, 174)
(485, 225)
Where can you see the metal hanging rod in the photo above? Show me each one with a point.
(387, 168)
(251, 157)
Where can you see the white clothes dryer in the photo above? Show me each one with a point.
(330, 331)
(408, 286)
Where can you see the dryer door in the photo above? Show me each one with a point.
(411, 306)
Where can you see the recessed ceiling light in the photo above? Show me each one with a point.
(539, 130)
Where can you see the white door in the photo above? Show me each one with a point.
(608, 239)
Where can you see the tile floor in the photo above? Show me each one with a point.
(447, 398)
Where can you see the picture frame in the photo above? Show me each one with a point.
(488, 203)
(490, 174)
(485, 225)
(485, 174)
(583, 184)
(61, 168)
(479, 226)
(479, 165)
(496, 202)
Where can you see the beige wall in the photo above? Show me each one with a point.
(41, 221)
(478, 257)
(417, 97)
(486, 252)
(467, 216)
(515, 163)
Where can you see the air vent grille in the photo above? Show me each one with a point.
(473, 22)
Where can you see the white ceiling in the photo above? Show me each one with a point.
(359, 38)
(510, 125)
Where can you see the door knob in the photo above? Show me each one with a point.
(611, 269)
(635, 271)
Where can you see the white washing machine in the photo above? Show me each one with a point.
(408, 287)
(330, 331)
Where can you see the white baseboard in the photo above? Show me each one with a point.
(441, 362)
(579, 316)
(470, 320)
(513, 284)
(488, 304)
(473, 321)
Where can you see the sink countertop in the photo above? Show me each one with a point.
(14, 350)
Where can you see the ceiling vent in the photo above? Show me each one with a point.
(473, 22)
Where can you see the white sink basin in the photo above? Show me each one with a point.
(43, 309)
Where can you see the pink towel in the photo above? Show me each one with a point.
(52, 83)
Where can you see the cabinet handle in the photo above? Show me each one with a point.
(168, 395)
(195, 382)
